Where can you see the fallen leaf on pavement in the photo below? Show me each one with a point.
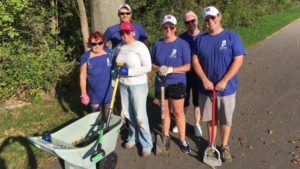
(292, 141)
(296, 155)
(297, 148)
(269, 112)
(295, 161)
(270, 131)
(251, 147)
(243, 140)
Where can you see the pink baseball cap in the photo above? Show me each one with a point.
(126, 26)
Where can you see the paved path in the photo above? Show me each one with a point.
(265, 119)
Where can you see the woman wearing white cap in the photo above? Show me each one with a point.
(171, 57)
(112, 33)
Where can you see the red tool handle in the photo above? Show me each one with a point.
(213, 117)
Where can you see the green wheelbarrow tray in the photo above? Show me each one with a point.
(62, 141)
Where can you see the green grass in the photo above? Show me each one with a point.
(17, 124)
(266, 26)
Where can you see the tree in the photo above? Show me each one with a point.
(84, 23)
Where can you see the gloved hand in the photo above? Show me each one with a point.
(164, 70)
(85, 99)
(123, 70)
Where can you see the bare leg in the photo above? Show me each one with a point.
(177, 107)
(209, 130)
(224, 133)
(167, 121)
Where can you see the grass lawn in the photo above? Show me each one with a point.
(16, 124)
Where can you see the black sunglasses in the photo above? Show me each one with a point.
(191, 21)
(122, 32)
(165, 27)
(209, 17)
(123, 13)
(96, 43)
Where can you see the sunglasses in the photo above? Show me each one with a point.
(191, 21)
(127, 32)
(166, 27)
(124, 13)
(96, 43)
(209, 17)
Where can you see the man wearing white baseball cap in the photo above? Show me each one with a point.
(125, 14)
(171, 57)
(217, 57)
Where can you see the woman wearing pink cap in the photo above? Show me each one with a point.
(134, 87)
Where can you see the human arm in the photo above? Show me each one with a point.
(145, 62)
(83, 76)
(232, 70)
(207, 84)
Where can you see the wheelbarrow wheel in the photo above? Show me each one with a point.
(109, 162)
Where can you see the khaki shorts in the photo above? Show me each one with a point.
(224, 108)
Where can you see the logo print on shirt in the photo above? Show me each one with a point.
(108, 62)
(223, 46)
(174, 53)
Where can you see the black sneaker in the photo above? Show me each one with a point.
(185, 149)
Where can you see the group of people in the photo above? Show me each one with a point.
(196, 60)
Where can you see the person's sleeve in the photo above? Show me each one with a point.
(186, 53)
(83, 58)
(194, 47)
(143, 36)
(153, 54)
(238, 48)
(145, 59)
(107, 34)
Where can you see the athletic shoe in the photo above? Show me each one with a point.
(129, 145)
(146, 153)
(198, 131)
(175, 129)
(226, 156)
(211, 153)
(185, 148)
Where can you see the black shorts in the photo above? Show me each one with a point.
(173, 91)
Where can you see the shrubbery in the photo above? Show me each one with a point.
(36, 57)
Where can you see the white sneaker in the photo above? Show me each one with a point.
(198, 131)
(175, 129)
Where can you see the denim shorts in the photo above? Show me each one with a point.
(173, 91)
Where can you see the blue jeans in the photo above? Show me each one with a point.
(134, 98)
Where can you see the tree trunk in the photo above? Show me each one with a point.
(104, 13)
(84, 24)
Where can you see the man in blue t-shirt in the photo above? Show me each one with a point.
(217, 57)
(190, 20)
(112, 33)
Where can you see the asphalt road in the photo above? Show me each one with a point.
(266, 120)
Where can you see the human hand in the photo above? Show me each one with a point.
(85, 99)
(164, 70)
(221, 85)
(123, 70)
(208, 85)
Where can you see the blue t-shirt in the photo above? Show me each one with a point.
(175, 54)
(191, 76)
(99, 86)
(112, 34)
(215, 54)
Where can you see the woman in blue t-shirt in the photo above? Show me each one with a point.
(95, 74)
(171, 57)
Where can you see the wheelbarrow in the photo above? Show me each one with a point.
(63, 142)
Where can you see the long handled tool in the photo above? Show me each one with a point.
(211, 160)
(100, 153)
(162, 142)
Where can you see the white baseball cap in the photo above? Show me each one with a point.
(169, 18)
(124, 6)
(211, 10)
